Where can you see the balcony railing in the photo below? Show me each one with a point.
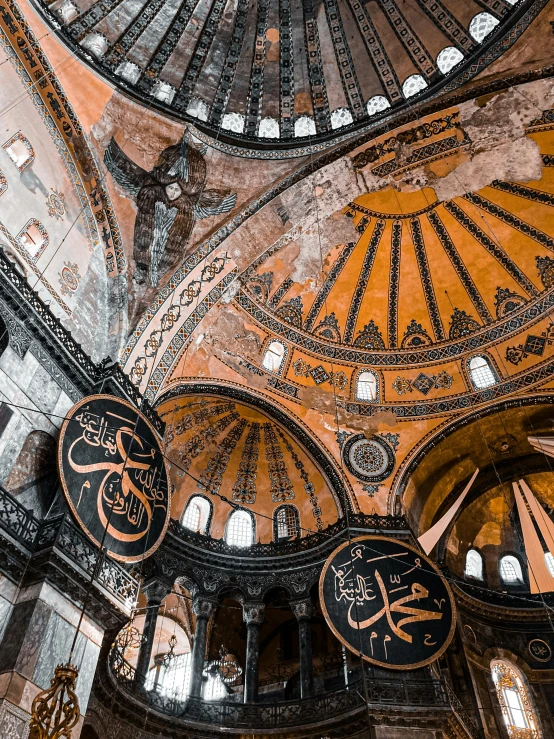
(396, 694)
(61, 534)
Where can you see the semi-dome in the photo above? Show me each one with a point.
(283, 74)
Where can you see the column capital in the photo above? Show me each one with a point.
(253, 613)
(202, 607)
(155, 592)
(303, 609)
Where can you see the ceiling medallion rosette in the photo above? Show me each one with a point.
(370, 460)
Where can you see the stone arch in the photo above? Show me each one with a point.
(33, 479)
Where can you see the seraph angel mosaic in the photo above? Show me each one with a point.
(170, 199)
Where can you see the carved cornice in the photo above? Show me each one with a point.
(501, 606)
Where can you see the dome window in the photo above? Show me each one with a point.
(96, 43)
(481, 373)
(474, 565)
(33, 238)
(304, 126)
(341, 117)
(377, 104)
(448, 58)
(481, 25)
(233, 122)
(67, 12)
(197, 514)
(549, 559)
(413, 85)
(286, 524)
(240, 529)
(164, 92)
(273, 357)
(198, 109)
(129, 72)
(367, 387)
(510, 570)
(269, 129)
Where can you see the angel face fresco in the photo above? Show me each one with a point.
(170, 199)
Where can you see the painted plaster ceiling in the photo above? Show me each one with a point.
(284, 73)
(220, 447)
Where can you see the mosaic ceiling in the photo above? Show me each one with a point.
(220, 447)
(285, 72)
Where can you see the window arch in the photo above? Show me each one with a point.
(197, 514)
(129, 71)
(448, 58)
(274, 356)
(19, 150)
(268, 128)
(377, 104)
(240, 529)
(341, 117)
(367, 387)
(304, 126)
(481, 25)
(163, 91)
(96, 43)
(34, 238)
(286, 523)
(549, 559)
(481, 372)
(510, 570)
(474, 564)
(233, 122)
(198, 109)
(515, 701)
(413, 85)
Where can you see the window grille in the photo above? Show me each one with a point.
(196, 514)
(510, 569)
(304, 126)
(268, 129)
(366, 386)
(448, 58)
(517, 708)
(549, 559)
(481, 25)
(414, 84)
(273, 357)
(341, 117)
(481, 373)
(287, 522)
(233, 122)
(377, 104)
(240, 529)
(474, 565)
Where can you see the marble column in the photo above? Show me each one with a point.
(203, 609)
(253, 616)
(303, 610)
(155, 593)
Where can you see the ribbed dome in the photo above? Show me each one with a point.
(285, 72)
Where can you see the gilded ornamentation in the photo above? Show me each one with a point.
(55, 711)
(423, 383)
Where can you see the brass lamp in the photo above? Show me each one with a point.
(55, 711)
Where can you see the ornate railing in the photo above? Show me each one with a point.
(398, 693)
(60, 533)
(463, 716)
(371, 522)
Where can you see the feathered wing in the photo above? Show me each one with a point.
(213, 203)
(124, 171)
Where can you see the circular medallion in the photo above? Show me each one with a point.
(540, 650)
(370, 460)
(387, 602)
(114, 476)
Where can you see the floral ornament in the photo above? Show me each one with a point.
(301, 368)
(338, 379)
(423, 383)
(69, 278)
(370, 489)
(55, 202)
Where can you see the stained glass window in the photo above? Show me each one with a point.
(517, 708)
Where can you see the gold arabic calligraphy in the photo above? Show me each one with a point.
(360, 590)
(131, 488)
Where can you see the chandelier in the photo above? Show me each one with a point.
(55, 711)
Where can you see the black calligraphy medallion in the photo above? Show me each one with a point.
(114, 476)
(387, 602)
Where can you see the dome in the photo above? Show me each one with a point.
(317, 70)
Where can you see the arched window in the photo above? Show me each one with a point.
(273, 357)
(128, 71)
(214, 688)
(474, 565)
(33, 237)
(304, 126)
(240, 529)
(19, 150)
(233, 122)
(67, 12)
(198, 109)
(516, 703)
(268, 129)
(510, 569)
(171, 680)
(163, 91)
(414, 84)
(96, 43)
(367, 387)
(481, 25)
(285, 522)
(341, 117)
(196, 515)
(549, 559)
(376, 104)
(481, 373)
(448, 58)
